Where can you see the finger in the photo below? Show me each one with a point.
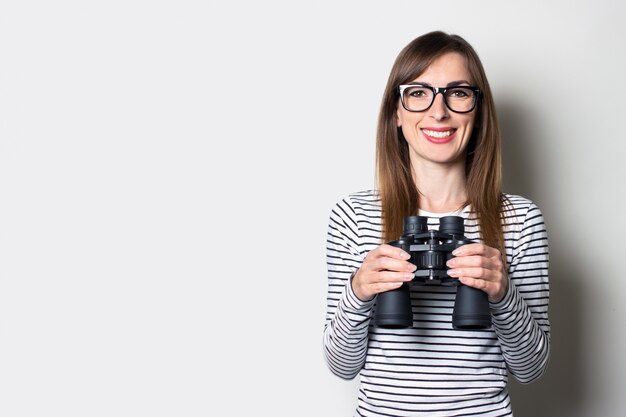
(495, 290)
(385, 263)
(480, 284)
(474, 273)
(475, 261)
(476, 249)
(371, 284)
(390, 276)
(391, 252)
(384, 286)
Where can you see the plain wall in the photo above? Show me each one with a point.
(167, 170)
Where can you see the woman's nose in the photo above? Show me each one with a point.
(439, 110)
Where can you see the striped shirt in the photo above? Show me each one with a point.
(432, 369)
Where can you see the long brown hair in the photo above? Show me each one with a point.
(397, 189)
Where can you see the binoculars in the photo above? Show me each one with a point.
(430, 250)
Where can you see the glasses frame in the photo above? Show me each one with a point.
(437, 90)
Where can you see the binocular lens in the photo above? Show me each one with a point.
(452, 225)
(415, 224)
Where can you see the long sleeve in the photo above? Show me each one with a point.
(430, 368)
(520, 319)
(347, 317)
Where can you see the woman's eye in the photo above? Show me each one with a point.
(459, 93)
(418, 93)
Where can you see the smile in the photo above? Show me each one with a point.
(439, 136)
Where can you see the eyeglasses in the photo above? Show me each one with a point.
(418, 97)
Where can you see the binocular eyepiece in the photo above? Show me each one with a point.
(430, 250)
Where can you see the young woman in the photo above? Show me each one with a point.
(438, 154)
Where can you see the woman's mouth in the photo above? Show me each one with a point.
(439, 135)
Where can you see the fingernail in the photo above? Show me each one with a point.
(457, 252)
(409, 276)
(453, 272)
(412, 267)
(405, 255)
(451, 263)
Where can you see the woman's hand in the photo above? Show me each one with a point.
(384, 268)
(480, 266)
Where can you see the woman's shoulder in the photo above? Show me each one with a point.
(517, 201)
(360, 198)
(517, 208)
(365, 197)
(360, 202)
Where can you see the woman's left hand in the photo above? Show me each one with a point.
(480, 266)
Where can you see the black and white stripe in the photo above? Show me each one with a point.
(432, 369)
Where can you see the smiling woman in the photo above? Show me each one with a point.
(426, 114)
(438, 154)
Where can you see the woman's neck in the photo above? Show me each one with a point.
(442, 189)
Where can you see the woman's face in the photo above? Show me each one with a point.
(439, 135)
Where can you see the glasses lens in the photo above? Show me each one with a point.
(417, 98)
(460, 99)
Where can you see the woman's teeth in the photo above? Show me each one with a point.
(436, 134)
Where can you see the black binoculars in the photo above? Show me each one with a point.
(430, 250)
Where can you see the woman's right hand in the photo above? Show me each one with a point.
(384, 268)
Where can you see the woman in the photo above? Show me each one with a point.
(438, 153)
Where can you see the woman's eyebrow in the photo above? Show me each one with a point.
(450, 84)
(455, 83)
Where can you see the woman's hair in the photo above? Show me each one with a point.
(398, 193)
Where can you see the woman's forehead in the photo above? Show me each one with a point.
(450, 68)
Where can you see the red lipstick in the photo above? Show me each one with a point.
(436, 137)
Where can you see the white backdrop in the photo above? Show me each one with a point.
(167, 170)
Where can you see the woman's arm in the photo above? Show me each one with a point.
(355, 276)
(519, 299)
(520, 319)
(347, 317)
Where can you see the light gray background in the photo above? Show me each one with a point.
(167, 170)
